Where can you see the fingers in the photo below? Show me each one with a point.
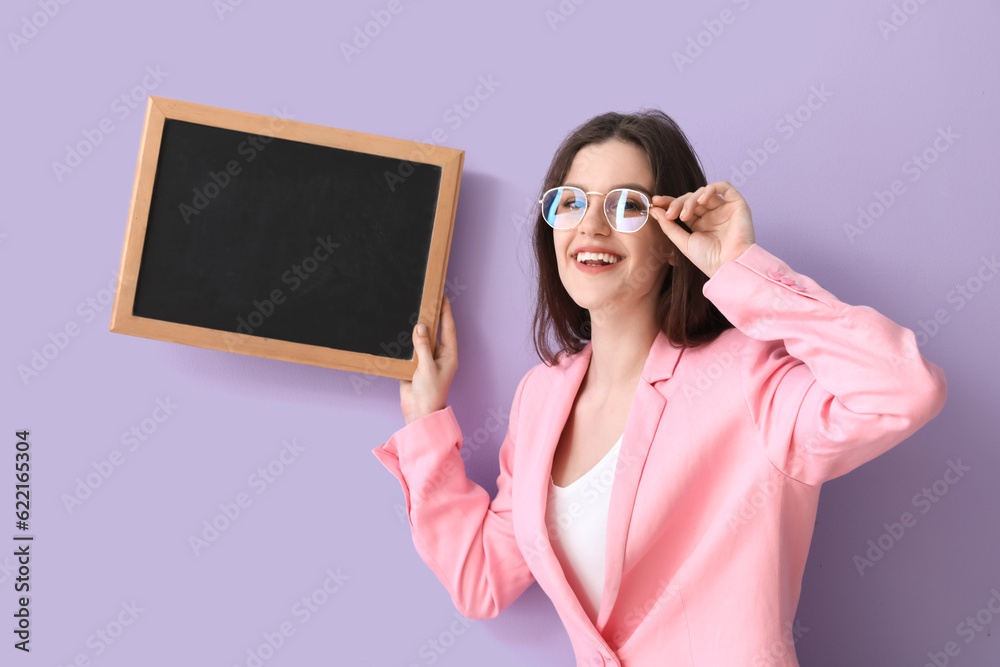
(449, 339)
(691, 205)
(677, 235)
(717, 194)
(422, 347)
(446, 350)
(695, 204)
(684, 207)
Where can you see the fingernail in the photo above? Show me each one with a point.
(421, 329)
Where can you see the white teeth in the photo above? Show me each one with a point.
(585, 256)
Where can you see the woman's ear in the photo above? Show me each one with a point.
(673, 254)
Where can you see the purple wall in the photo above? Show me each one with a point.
(891, 93)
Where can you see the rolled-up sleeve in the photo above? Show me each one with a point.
(834, 385)
(467, 540)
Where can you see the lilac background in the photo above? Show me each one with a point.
(335, 507)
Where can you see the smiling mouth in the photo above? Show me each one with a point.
(597, 258)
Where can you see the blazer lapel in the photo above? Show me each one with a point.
(558, 395)
(643, 420)
(640, 427)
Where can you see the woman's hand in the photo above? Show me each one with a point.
(427, 392)
(719, 219)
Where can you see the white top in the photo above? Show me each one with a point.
(577, 516)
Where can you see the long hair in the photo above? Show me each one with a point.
(685, 315)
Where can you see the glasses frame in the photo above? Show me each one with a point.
(604, 206)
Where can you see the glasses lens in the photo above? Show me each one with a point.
(563, 207)
(627, 209)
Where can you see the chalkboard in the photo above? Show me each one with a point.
(282, 239)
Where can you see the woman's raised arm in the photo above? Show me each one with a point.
(467, 540)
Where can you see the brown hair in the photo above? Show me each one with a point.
(686, 316)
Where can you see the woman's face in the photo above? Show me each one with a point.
(642, 263)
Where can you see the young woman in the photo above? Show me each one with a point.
(661, 470)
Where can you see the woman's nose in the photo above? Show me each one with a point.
(594, 220)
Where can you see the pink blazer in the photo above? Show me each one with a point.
(716, 486)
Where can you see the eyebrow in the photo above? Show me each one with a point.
(630, 186)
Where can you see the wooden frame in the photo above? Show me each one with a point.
(158, 110)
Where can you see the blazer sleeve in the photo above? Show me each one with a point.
(464, 538)
(834, 385)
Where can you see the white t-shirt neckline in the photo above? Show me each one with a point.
(577, 516)
(613, 452)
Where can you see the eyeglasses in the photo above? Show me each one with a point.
(564, 207)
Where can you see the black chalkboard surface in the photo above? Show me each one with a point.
(280, 239)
